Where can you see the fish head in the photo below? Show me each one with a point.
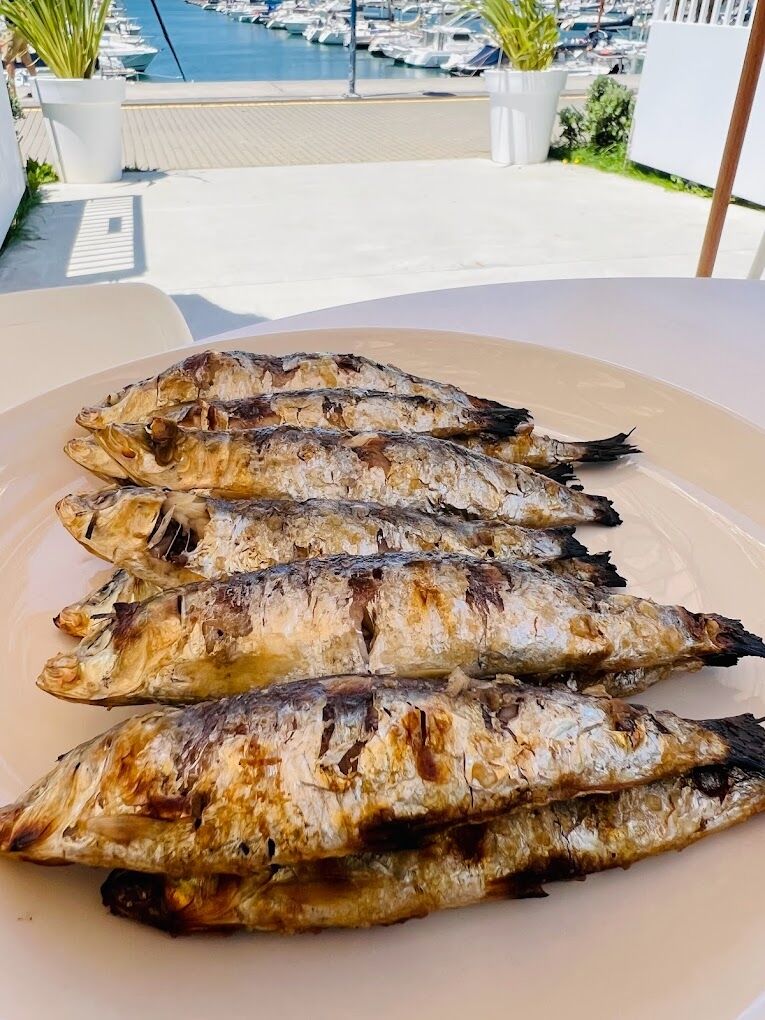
(86, 452)
(113, 523)
(144, 451)
(79, 675)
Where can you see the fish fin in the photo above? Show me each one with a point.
(733, 642)
(569, 544)
(600, 451)
(503, 421)
(745, 739)
(563, 473)
(605, 512)
(125, 828)
(598, 569)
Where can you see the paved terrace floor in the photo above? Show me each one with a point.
(237, 246)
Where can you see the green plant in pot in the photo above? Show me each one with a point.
(81, 109)
(525, 88)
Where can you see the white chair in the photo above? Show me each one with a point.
(52, 337)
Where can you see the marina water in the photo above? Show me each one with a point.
(213, 47)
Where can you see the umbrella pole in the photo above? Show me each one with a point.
(742, 107)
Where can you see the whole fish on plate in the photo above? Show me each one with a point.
(411, 614)
(84, 618)
(351, 410)
(407, 470)
(171, 538)
(324, 769)
(230, 375)
(485, 431)
(507, 857)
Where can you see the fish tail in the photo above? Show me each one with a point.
(745, 739)
(733, 642)
(503, 421)
(563, 473)
(600, 451)
(596, 568)
(569, 545)
(604, 512)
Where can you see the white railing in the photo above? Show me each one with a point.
(12, 182)
(736, 13)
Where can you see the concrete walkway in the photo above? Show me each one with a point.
(235, 246)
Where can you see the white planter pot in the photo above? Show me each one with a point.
(84, 121)
(523, 107)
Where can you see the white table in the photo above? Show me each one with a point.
(705, 336)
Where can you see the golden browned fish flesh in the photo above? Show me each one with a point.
(171, 538)
(323, 769)
(86, 452)
(505, 858)
(412, 471)
(411, 614)
(230, 375)
(348, 411)
(84, 618)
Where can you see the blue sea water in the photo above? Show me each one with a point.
(213, 47)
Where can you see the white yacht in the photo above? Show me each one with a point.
(132, 51)
(333, 33)
(461, 35)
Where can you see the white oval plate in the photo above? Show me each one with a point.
(677, 936)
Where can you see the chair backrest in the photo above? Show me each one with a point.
(52, 337)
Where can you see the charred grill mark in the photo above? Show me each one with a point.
(349, 762)
(469, 841)
(370, 453)
(383, 833)
(415, 725)
(364, 587)
(712, 781)
(328, 718)
(27, 835)
(333, 413)
(627, 719)
(484, 587)
(348, 362)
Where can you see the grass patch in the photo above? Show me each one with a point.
(37, 175)
(616, 161)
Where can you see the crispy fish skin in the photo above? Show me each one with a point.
(508, 857)
(348, 410)
(172, 538)
(231, 375)
(413, 471)
(540, 452)
(411, 614)
(85, 618)
(323, 769)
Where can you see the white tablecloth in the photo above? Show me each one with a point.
(705, 336)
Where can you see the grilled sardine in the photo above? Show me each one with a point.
(486, 431)
(508, 857)
(411, 614)
(323, 769)
(412, 471)
(230, 375)
(171, 538)
(348, 411)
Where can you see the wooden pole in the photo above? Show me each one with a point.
(742, 107)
